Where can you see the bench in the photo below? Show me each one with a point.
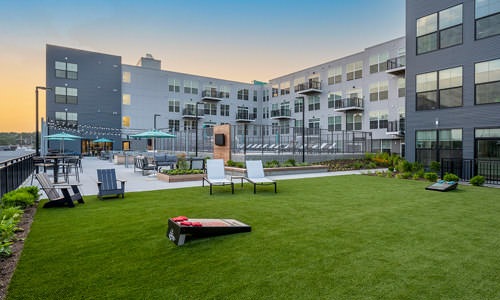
(165, 161)
(142, 163)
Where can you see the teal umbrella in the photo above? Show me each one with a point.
(63, 136)
(102, 140)
(153, 134)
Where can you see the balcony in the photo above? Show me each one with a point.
(212, 95)
(396, 128)
(349, 104)
(396, 66)
(244, 117)
(190, 113)
(308, 88)
(282, 113)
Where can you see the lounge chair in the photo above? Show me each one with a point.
(256, 176)
(52, 192)
(216, 175)
(107, 183)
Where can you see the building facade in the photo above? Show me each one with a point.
(452, 80)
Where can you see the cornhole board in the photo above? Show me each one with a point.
(179, 234)
(442, 186)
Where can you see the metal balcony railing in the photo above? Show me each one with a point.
(349, 104)
(281, 113)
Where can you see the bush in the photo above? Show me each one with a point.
(435, 166)
(404, 166)
(477, 180)
(18, 197)
(11, 213)
(416, 166)
(419, 174)
(431, 176)
(291, 162)
(8, 228)
(451, 177)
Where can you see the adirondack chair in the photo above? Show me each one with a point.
(255, 175)
(107, 183)
(52, 192)
(216, 174)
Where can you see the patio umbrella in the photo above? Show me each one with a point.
(103, 140)
(153, 134)
(63, 136)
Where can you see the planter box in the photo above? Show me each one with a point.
(179, 178)
(280, 171)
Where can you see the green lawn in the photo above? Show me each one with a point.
(346, 237)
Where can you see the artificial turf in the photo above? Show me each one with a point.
(343, 237)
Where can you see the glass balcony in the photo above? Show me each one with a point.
(282, 113)
(212, 95)
(191, 113)
(396, 127)
(245, 116)
(308, 88)
(349, 104)
(396, 66)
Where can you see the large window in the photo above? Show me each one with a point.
(173, 105)
(353, 121)
(243, 94)
(174, 85)
(66, 95)
(354, 70)
(332, 97)
(190, 87)
(378, 63)
(439, 30)
(126, 121)
(174, 125)
(66, 70)
(488, 143)
(432, 145)
(67, 119)
(401, 87)
(314, 103)
(298, 105)
(224, 110)
(275, 89)
(285, 88)
(487, 80)
(379, 91)
(126, 77)
(335, 123)
(441, 89)
(487, 18)
(335, 75)
(378, 119)
(210, 109)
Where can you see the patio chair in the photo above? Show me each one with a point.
(52, 192)
(107, 183)
(216, 175)
(256, 176)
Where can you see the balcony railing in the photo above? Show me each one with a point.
(396, 127)
(282, 113)
(310, 87)
(212, 95)
(397, 65)
(245, 117)
(348, 104)
(191, 113)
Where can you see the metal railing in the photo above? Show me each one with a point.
(311, 85)
(468, 168)
(191, 112)
(396, 62)
(245, 116)
(14, 171)
(278, 113)
(349, 103)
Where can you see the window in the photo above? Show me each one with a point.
(298, 84)
(265, 113)
(378, 119)
(243, 94)
(174, 85)
(335, 123)
(401, 87)
(487, 18)
(332, 97)
(190, 87)
(285, 88)
(354, 70)
(353, 121)
(335, 75)
(126, 99)
(378, 63)
(298, 105)
(275, 90)
(173, 105)
(125, 121)
(174, 125)
(224, 91)
(314, 103)
(428, 148)
(379, 91)
(66, 95)
(487, 81)
(210, 109)
(254, 96)
(439, 30)
(440, 89)
(67, 119)
(66, 70)
(313, 125)
(126, 77)
(265, 96)
(189, 124)
(224, 110)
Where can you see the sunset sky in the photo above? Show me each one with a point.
(234, 39)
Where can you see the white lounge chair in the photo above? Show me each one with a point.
(255, 175)
(216, 174)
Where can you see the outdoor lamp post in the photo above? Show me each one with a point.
(196, 129)
(303, 128)
(37, 138)
(154, 139)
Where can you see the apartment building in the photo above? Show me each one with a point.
(453, 81)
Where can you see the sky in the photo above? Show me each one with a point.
(229, 39)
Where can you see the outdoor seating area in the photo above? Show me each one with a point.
(55, 198)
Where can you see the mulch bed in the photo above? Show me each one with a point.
(9, 263)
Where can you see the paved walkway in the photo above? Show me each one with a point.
(137, 182)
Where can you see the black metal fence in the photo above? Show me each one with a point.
(13, 172)
(468, 168)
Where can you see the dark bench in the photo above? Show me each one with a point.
(52, 192)
(142, 163)
(165, 161)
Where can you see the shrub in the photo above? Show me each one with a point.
(404, 166)
(431, 176)
(451, 177)
(271, 164)
(7, 229)
(371, 165)
(20, 198)
(13, 212)
(419, 174)
(230, 163)
(435, 166)
(291, 162)
(477, 180)
(416, 166)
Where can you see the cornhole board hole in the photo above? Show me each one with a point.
(181, 230)
(442, 186)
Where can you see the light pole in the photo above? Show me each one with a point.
(37, 138)
(303, 128)
(196, 129)
(154, 139)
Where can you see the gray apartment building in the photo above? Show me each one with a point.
(453, 82)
